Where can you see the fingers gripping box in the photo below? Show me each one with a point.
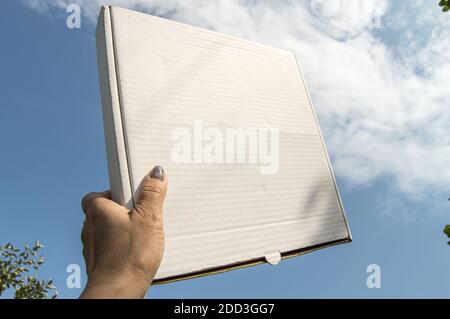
(232, 124)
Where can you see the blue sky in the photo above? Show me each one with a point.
(377, 80)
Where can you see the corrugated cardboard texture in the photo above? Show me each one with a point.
(157, 76)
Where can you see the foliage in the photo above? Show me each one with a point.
(18, 270)
(445, 4)
(447, 231)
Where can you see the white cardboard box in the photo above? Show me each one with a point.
(161, 79)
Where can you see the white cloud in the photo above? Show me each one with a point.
(347, 18)
(378, 72)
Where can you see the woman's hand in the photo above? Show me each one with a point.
(123, 249)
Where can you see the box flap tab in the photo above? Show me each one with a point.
(273, 258)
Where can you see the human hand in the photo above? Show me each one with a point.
(122, 248)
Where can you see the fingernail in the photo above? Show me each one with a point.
(157, 173)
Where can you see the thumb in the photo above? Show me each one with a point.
(152, 195)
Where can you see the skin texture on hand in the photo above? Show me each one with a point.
(122, 248)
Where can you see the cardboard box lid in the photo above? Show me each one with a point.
(165, 84)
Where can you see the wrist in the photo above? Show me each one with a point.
(121, 285)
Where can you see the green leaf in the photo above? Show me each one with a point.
(14, 273)
(447, 230)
